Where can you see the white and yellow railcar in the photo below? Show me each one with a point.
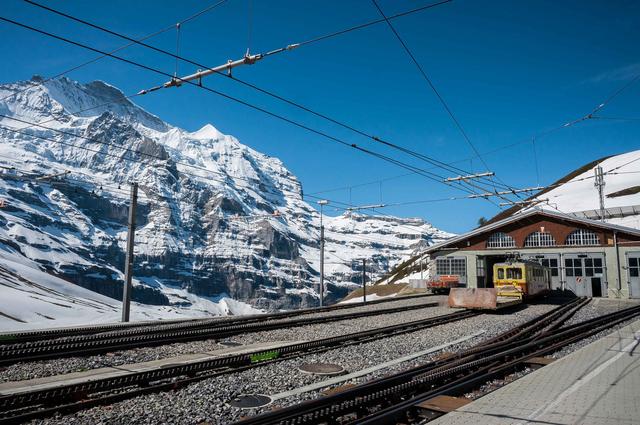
(521, 279)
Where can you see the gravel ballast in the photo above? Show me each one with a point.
(39, 369)
(205, 401)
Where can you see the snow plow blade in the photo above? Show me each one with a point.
(474, 298)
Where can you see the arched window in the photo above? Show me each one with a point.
(539, 239)
(582, 237)
(500, 240)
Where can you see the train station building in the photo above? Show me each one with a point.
(588, 257)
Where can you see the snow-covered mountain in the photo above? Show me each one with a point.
(214, 218)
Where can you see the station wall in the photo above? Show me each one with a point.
(589, 271)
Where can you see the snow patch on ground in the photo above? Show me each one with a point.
(33, 299)
(371, 297)
(579, 194)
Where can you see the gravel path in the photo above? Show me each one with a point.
(44, 368)
(205, 401)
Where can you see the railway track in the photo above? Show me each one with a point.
(37, 335)
(394, 399)
(83, 345)
(64, 398)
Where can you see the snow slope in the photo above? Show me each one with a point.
(215, 217)
(579, 193)
(35, 299)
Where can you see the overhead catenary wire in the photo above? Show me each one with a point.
(157, 197)
(435, 91)
(204, 169)
(420, 156)
(386, 20)
(598, 117)
(146, 37)
(124, 192)
(145, 154)
(615, 94)
(370, 23)
(430, 83)
(224, 95)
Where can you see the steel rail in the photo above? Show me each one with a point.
(395, 389)
(505, 363)
(71, 397)
(204, 324)
(36, 335)
(546, 320)
(135, 338)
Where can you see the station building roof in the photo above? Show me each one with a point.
(529, 216)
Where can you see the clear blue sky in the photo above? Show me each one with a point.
(508, 69)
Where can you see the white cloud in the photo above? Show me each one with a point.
(620, 74)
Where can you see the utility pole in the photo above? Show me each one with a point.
(364, 280)
(128, 267)
(322, 204)
(599, 183)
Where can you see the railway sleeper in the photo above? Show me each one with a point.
(145, 380)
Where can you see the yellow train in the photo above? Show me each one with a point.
(521, 279)
(512, 282)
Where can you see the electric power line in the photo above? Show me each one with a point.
(83, 64)
(430, 160)
(226, 96)
(437, 93)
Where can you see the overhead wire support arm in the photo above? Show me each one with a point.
(52, 176)
(469, 177)
(247, 59)
(524, 203)
(365, 207)
(507, 192)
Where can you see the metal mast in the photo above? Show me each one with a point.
(322, 204)
(364, 280)
(128, 267)
(599, 183)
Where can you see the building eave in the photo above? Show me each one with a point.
(529, 213)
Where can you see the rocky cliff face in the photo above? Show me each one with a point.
(214, 215)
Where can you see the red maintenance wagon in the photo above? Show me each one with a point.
(441, 284)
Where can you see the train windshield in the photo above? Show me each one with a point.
(514, 273)
(500, 273)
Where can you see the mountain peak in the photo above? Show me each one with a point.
(207, 132)
(39, 98)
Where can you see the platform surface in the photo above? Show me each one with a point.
(596, 385)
